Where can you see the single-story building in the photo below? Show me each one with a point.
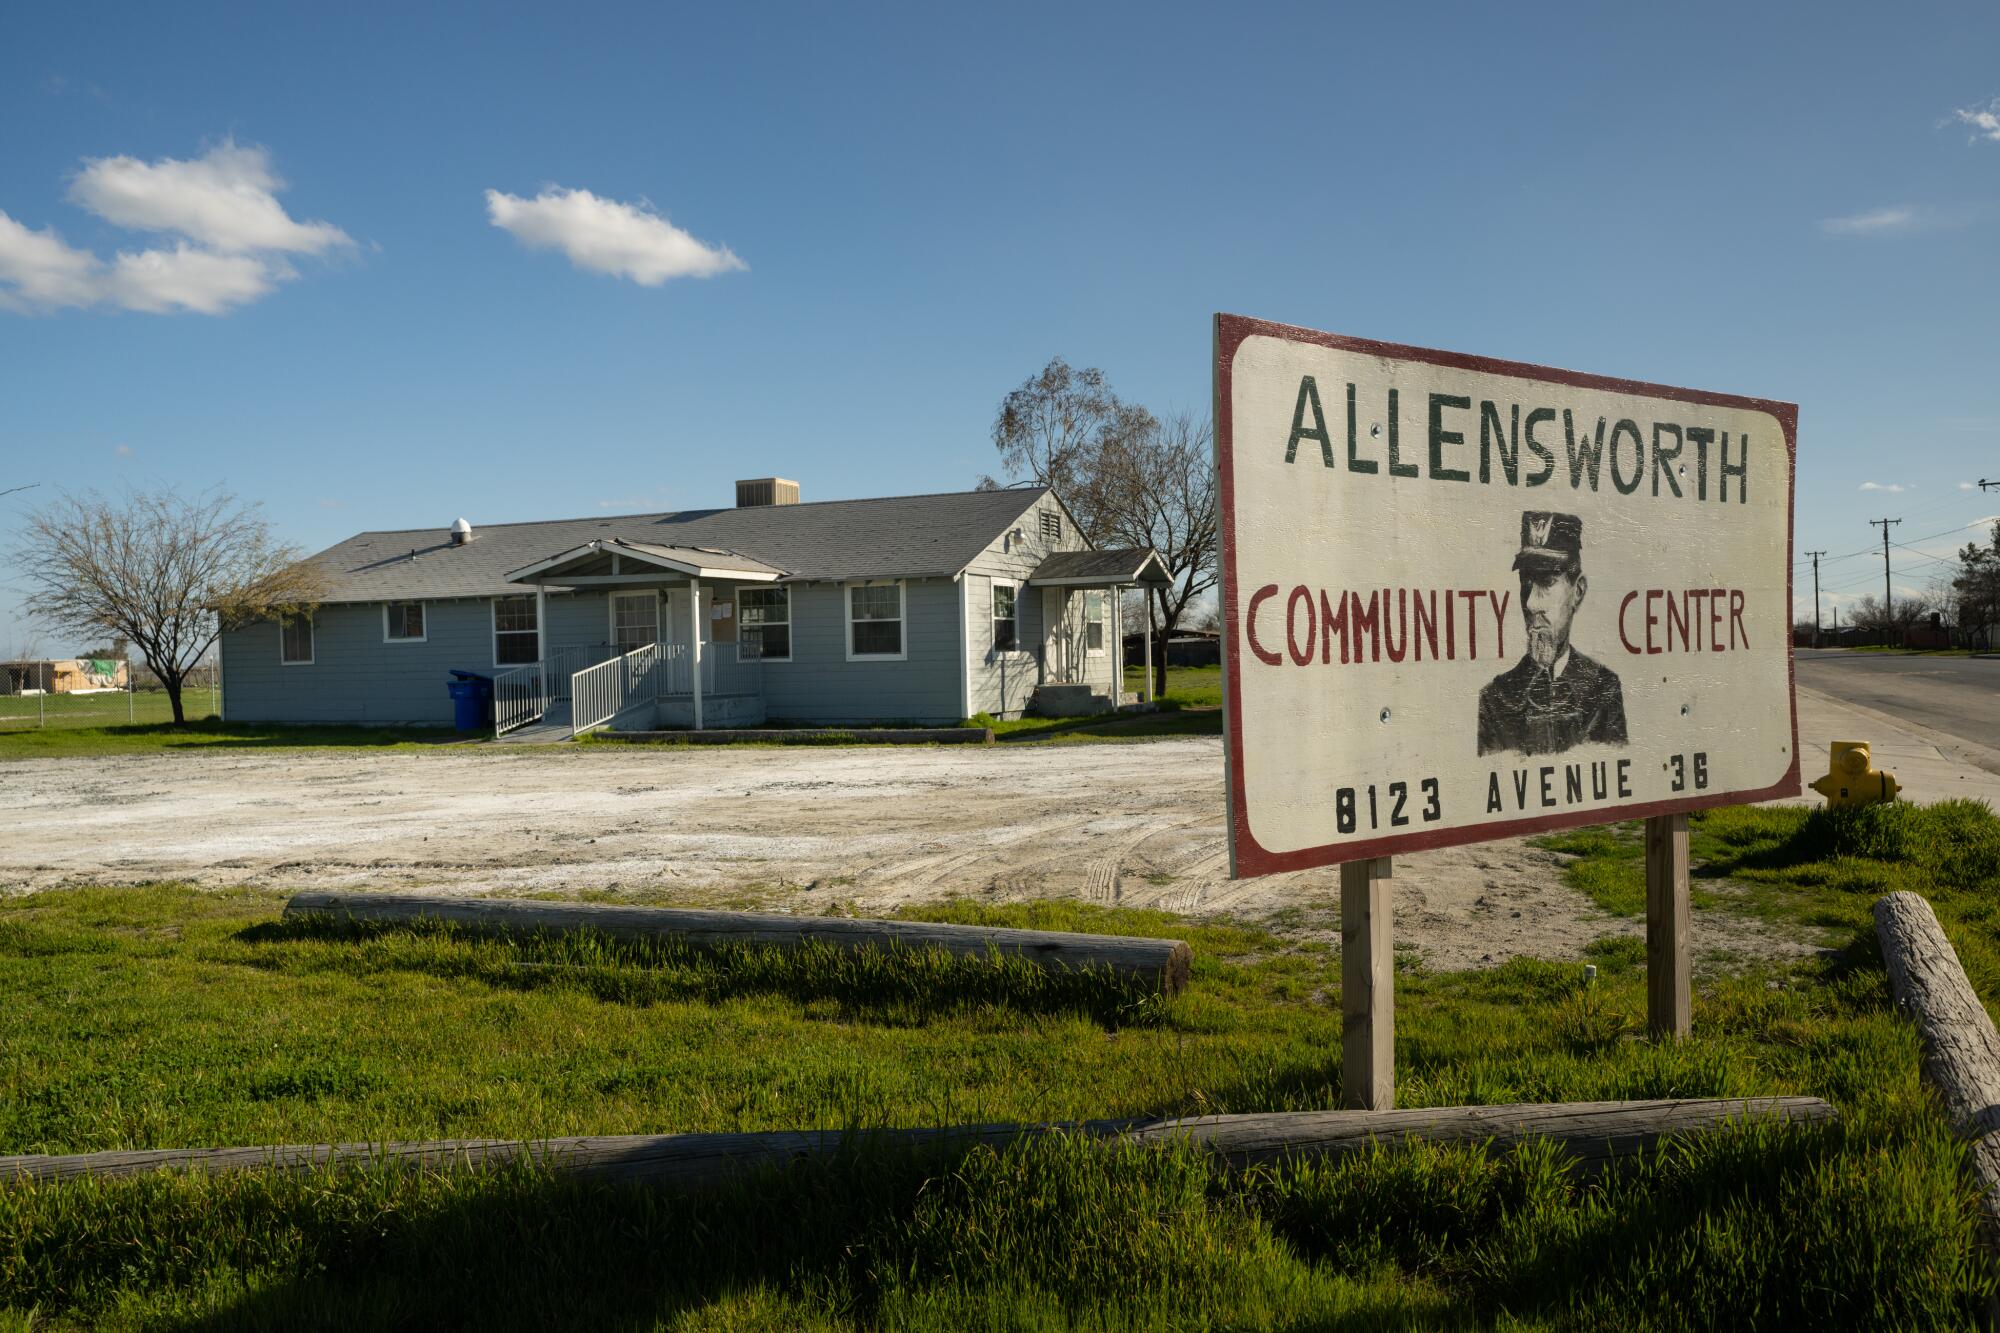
(918, 609)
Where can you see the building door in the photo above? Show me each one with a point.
(635, 620)
(1055, 636)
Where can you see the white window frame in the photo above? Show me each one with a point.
(1103, 621)
(660, 628)
(786, 589)
(1020, 648)
(422, 609)
(313, 634)
(493, 619)
(902, 618)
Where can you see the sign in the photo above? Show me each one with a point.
(1466, 598)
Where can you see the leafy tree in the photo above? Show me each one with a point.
(1976, 584)
(164, 571)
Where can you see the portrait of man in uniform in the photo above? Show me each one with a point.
(1554, 698)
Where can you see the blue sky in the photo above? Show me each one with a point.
(923, 204)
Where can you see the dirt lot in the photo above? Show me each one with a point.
(806, 830)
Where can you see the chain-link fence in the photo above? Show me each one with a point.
(52, 694)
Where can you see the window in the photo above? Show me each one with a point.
(1006, 624)
(515, 637)
(635, 620)
(403, 622)
(1093, 623)
(295, 640)
(875, 620)
(1051, 526)
(764, 624)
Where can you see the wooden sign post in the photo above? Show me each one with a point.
(1669, 926)
(1466, 599)
(1367, 987)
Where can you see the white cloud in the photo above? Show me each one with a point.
(232, 238)
(1965, 486)
(39, 269)
(123, 451)
(158, 281)
(1894, 487)
(331, 503)
(1984, 120)
(225, 200)
(606, 236)
(1876, 222)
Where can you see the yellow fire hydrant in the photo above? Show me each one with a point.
(1851, 780)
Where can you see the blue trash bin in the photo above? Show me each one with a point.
(471, 700)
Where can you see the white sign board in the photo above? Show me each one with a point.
(1467, 598)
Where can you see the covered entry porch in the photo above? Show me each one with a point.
(672, 652)
(1081, 593)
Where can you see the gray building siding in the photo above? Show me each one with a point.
(1003, 682)
(819, 684)
(354, 676)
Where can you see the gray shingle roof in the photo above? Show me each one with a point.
(905, 536)
(1120, 566)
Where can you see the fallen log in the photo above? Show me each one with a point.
(1161, 963)
(1961, 1057)
(1596, 1134)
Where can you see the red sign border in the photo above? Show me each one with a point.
(1246, 857)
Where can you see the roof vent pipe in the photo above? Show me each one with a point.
(461, 533)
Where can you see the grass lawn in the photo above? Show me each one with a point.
(1192, 706)
(170, 1017)
(210, 733)
(29, 712)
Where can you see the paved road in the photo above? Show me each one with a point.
(1959, 696)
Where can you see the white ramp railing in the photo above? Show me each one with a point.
(520, 696)
(599, 694)
(675, 675)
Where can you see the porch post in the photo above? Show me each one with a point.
(542, 628)
(1118, 647)
(1149, 643)
(694, 646)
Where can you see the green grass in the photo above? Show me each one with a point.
(166, 1016)
(211, 733)
(1190, 707)
(1814, 871)
(1913, 652)
(27, 712)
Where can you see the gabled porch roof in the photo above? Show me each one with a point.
(609, 560)
(1100, 569)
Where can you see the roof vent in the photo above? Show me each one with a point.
(461, 533)
(762, 491)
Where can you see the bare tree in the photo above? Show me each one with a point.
(1909, 609)
(1049, 428)
(1152, 484)
(166, 571)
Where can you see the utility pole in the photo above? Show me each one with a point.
(1986, 485)
(1815, 555)
(1888, 617)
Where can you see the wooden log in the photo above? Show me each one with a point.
(1367, 986)
(1160, 963)
(1596, 1134)
(1961, 1057)
(1669, 928)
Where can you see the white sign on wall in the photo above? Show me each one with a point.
(1467, 598)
